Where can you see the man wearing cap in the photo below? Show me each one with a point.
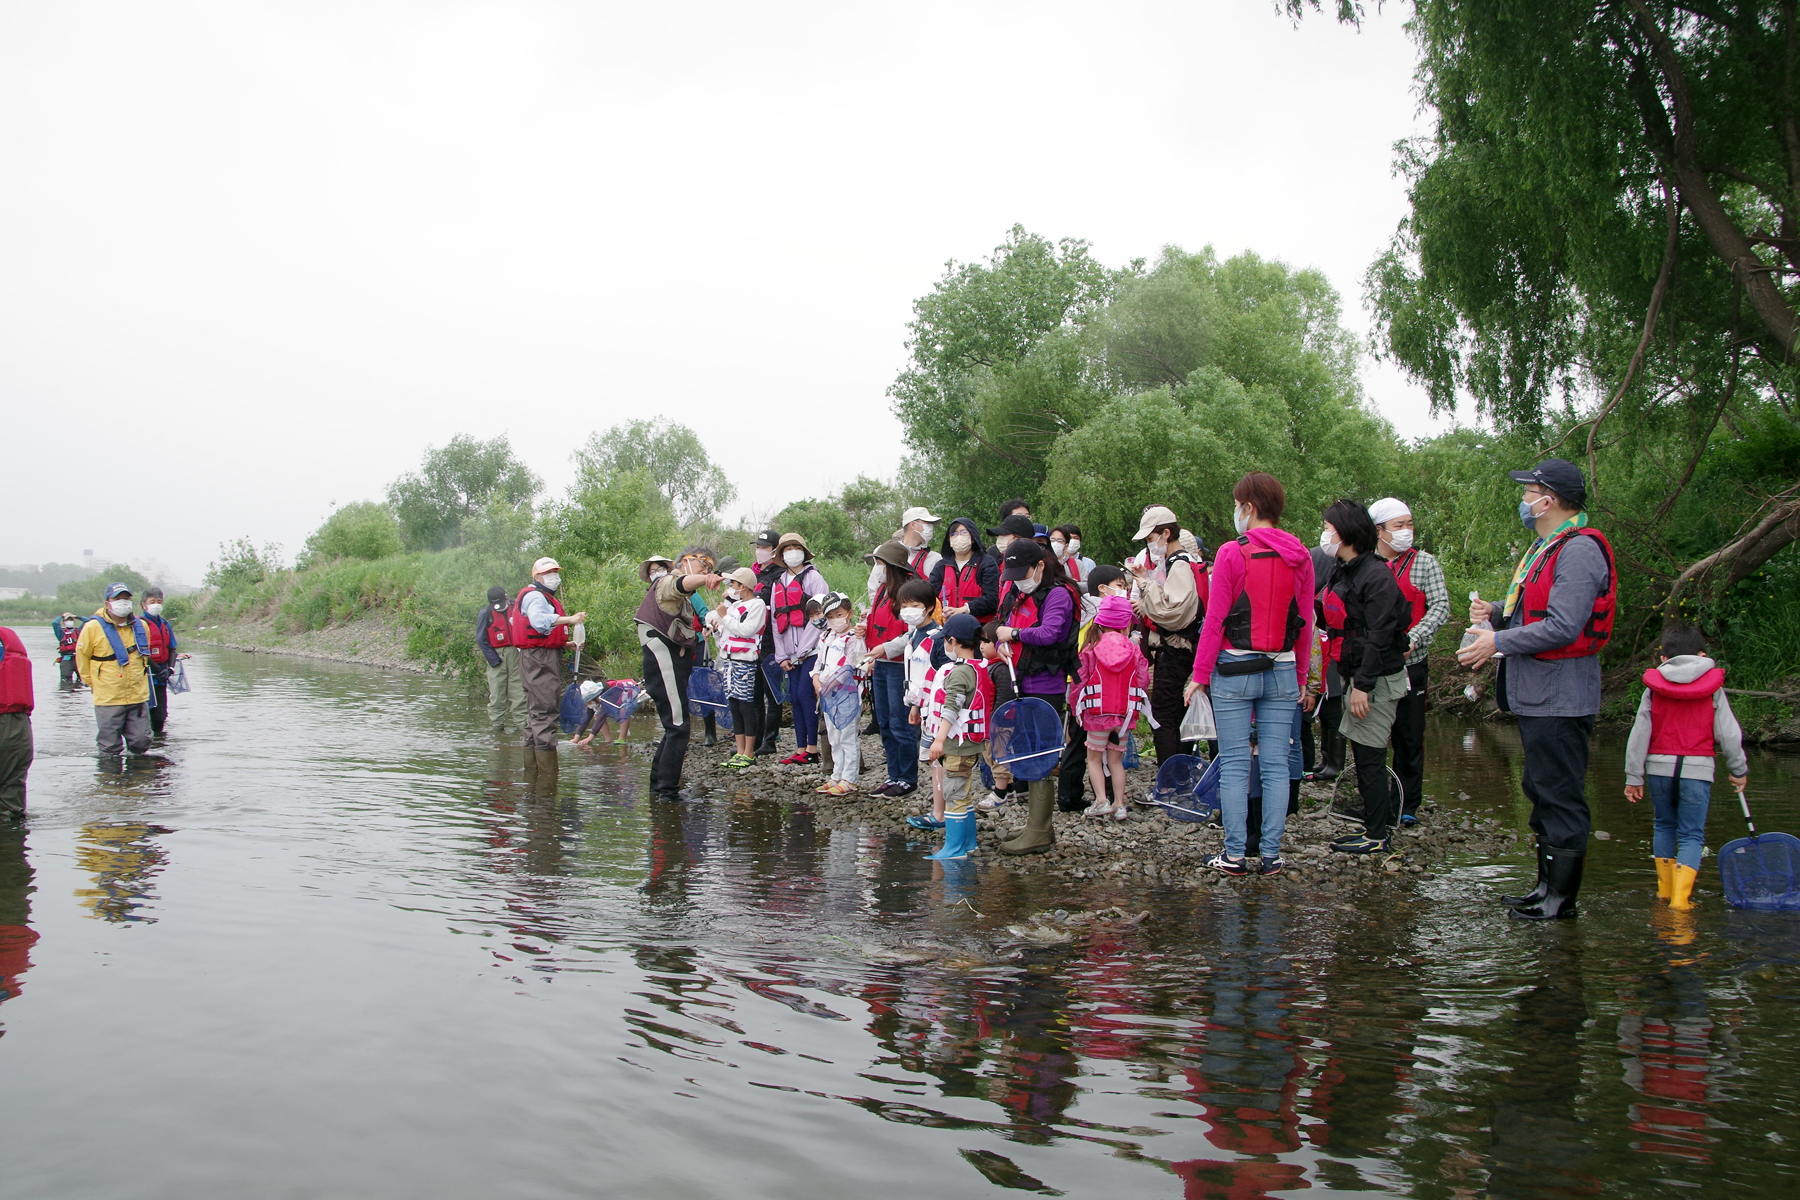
(1421, 581)
(540, 629)
(1557, 615)
(493, 640)
(1018, 525)
(667, 628)
(916, 526)
(1171, 597)
(110, 656)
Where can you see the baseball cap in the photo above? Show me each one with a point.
(917, 514)
(117, 589)
(1015, 525)
(767, 539)
(1559, 475)
(963, 628)
(1021, 557)
(545, 564)
(1155, 515)
(497, 595)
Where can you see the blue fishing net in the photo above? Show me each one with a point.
(621, 700)
(706, 695)
(1177, 780)
(777, 678)
(1762, 872)
(1027, 736)
(574, 709)
(842, 699)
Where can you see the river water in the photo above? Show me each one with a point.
(341, 944)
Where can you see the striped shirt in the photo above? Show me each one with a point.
(1428, 577)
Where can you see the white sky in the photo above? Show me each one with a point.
(273, 251)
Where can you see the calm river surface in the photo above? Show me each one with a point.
(340, 945)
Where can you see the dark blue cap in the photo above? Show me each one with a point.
(117, 589)
(963, 628)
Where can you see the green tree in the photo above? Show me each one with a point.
(83, 596)
(240, 564)
(365, 529)
(626, 517)
(874, 509)
(826, 527)
(670, 454)
(453, 484)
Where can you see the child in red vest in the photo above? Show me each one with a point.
(956, 715)
(1683, 715)
(1106, 696)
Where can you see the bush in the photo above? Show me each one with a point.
(240, 565)
(83, 596)
(365, 530)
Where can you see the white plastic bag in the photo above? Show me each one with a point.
(1197, 724)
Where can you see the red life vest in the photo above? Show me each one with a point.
(788, 601)
(15, 674)
(883, 625)
(156, 640)
(1402, 569)
(66, 643)
(499, 627)
(1265, 617)
(916, 560)
(971, 723)
(1681, 714)
(1335, 618)
(1535, 598)
(527, 638)
(960, 586)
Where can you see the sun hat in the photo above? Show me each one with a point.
(793, 539)
(644, 567)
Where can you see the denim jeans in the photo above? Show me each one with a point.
(1270, 698)
(899, 739)
(805, 702)
(1679, 824)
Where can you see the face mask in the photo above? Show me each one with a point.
(763, 556)
(1026, 586)
(153, 610)
(913, 616)
(1002, 542)
(1528, 514)
(1075, 546)
(960, 542)
(1159, 550)
(732, 595)
(1401, 540)
(1060, 549)
(656, 573)
(119, 608)
(553, 580)
(1328, 542)
(838, 624)
(1240, 520)
(793, 558)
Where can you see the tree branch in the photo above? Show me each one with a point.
(1662, 510)
(1740, 558)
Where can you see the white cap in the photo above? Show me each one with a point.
(545, 564)
(917, 514)
(1386, 509)
(1153, 516)
(590, 688)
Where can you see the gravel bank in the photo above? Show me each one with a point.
(371, 641)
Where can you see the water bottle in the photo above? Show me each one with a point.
(1478, 627)
(580, 635)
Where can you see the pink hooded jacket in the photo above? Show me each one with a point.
(1108, 689)
(1228, 571)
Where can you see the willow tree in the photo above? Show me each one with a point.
(1602, 250)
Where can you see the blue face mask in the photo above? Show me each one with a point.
(1528, 517)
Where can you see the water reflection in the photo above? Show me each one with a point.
(123, 858)
(17, 937)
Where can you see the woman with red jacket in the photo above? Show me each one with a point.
(886, 634)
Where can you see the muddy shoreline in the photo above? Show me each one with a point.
(370, 642)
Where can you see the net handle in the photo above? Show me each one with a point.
(1744, 803)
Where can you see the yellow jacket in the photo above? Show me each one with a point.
(94, 660)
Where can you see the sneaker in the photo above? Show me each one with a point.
(1355, 816)
(886, 789)
(1362, 843)
(904, 789)
(826, 787)
(812, 758)
(1227, 865)
(991, 802)
(924, 821)
(796, 759)
(841, 787)
(1272, 866)
(1344, 839)
(1409, 818)
(738, 762)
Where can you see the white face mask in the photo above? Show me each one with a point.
(1401, 540)
(763, 555)
(1074, 546)
(657, 573)
(119, 608)
(960, 542)
(153, 610)
(1240, 519)
(838, 624)
(1026, 586)
(1328, 541)
(793, 558)
(913, 615)
(1060, 549)
(1002, 541)
(1158, 550)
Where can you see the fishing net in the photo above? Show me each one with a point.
(841, 699)
(574, 709)
(1762, 872)
(1176, 782)
(1028, 738)
(620, 700)
(706, 695)
(777, 679)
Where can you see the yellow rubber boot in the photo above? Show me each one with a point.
(1680, 897)
(1665, 878)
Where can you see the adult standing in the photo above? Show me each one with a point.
(1367, 614)
(1171, 597)
(494, 642)
(110, 656)
(886, 635)
(1328, 682)
(768, 568)
(966, 578)
(1253, 655)
(67, 629)
(1065, 543)
(16, 703)
(540, 629)
(797, 640)
(667, 628)
(916, 528)
(1040, 616)
(1557, 614)
(1421, 581)
(162, 653)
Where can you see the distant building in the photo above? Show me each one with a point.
(7, 593)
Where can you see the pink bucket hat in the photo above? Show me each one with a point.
(1115, 613)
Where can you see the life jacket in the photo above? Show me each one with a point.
(15, 674)
(527, 638)
(1265, 618)
(66, 639)
(1681, 714)
(157, 638)
(121, 653)
(883, 625)
(1202, 589)
(919, 671)
(743, 646)
(1535, 599)
(1402, 569)
(499, 630)
(961, 585)
(971, 723)
(1336, 618)
(916, 560)
(670, 626)
(1060, 659)
(1108, 697)
(787, 601)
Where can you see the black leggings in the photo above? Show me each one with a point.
(747, 718)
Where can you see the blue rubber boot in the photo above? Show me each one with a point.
(959, 836)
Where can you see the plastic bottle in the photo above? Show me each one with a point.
(579, 635)
(1478, 627)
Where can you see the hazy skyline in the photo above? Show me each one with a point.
(277, 250)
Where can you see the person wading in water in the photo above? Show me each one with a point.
(668, 630)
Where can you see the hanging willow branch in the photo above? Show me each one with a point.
(1657, 295)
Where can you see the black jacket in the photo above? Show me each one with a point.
(987, 575)
(766, 575)
(482, 620)
(1375, 621)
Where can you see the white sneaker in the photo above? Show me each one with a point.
(994, 800)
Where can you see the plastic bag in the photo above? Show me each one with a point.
(178, 680)
(1197, 724)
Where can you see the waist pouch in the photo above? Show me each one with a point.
(1248, 666)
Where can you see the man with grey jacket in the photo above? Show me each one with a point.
(1557, 615)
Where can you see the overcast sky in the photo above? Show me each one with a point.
(254, 258)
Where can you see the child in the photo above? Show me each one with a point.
(840, 652)
(921, 657)
(592, 691)
(1000, 674)
(957, 713)
(1106, 696)
(1682, 716)
(739, 622)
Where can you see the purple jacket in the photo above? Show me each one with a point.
(1056, 621)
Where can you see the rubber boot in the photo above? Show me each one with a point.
(1537, 889)
(1681, 886)
(1293, 796)
(1039, 835)
(1562, 882)
(1665, 878)
(712, 730)
(959, 835)
(1331, 742)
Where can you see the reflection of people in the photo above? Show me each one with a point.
(110, 656)
(124, 859)
(16, 703)
(667, 627)
(16, 934)
(540, 629)
(1541, 1145)
(1557, 615)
